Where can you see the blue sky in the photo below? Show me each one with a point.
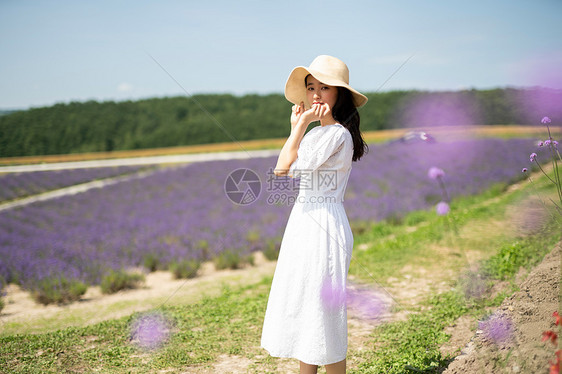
(62, 51)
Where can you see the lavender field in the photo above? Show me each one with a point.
(184, 212)
(18, 185)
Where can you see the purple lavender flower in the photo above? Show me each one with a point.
(555, 143)
(150, 331)
(497, 328)
(547, 142)
(435, 172)
(540, 143)
(532, 156)
(524, 170)
(545, 120)
(86, 234)
(442, 208)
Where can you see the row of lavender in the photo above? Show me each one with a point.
(184, 212)
(18, 185)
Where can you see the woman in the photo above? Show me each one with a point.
(306, 315)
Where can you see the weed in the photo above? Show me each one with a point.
(271, 250)
(151, 262)
(185, 268)
(117, 280)
(232, 259)
(59, 290)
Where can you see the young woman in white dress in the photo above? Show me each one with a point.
(306, 316)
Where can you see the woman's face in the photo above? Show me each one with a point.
(318, 92)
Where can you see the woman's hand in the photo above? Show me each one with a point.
(298, 110)
(317, 112)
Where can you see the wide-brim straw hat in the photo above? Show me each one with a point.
(328, 70)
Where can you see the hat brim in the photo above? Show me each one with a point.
(295, 89)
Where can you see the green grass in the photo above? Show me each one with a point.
(390, 246)
(230, 323)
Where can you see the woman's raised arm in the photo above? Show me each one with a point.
(300, 119)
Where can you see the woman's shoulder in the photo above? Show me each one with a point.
(341, 129)
(329, 131)
(335, 127)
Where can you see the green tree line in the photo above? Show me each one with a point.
(93, 126)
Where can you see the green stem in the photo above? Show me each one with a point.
(444, 189)
(556, 173)
(540, 167)
(535, 190)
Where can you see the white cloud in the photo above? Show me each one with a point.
(125, 87)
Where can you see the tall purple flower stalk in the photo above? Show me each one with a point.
(437, 174)
(552, 147)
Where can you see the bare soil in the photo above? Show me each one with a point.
(526, 314)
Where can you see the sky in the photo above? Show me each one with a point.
(63, 51)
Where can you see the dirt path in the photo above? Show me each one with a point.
(75, 189)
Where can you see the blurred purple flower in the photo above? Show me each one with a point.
(440, 109)
(497, 328)
(540, 143)
(366, 303)
(442, 208)
(555, 143)
(547, 142)
(545, 120)
(150, 331)
(532, 156)
(332, 296)
(435, 172)
(524, 170)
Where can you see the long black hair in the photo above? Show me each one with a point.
(345, 112)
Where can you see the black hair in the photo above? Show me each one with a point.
(345, 112)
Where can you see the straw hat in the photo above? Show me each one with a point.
(328, 70)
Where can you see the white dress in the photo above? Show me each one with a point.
(306, 316)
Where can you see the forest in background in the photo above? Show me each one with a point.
(92, 126)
